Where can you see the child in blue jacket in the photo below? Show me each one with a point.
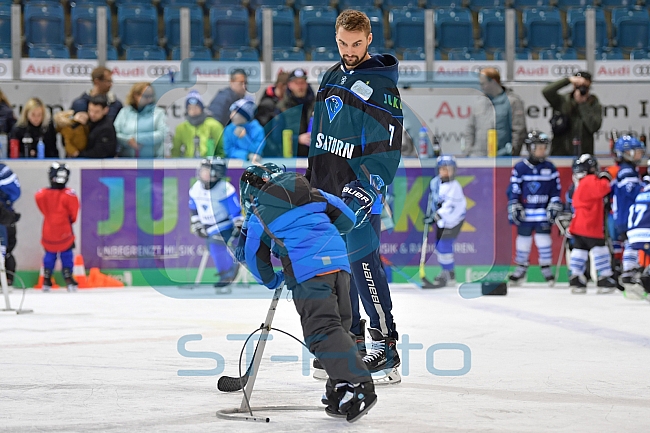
(243, 138)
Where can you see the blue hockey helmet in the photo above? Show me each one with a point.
(449, 162)
(211, 171)
(629, 148)
(253, 179)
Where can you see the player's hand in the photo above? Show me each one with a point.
(359, 196)
(278, 281)
(516, 213)
(240, 249)
(198, 229)
(552, 211)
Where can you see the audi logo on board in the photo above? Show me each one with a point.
(641, 70)
(562, 70)
(77, 70)
(158, 70)
(3, 69)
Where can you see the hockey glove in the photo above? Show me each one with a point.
(552, 210)
(516, 213)
(562, 221)
(359, 196)
(277, 281)
(198, 229)
(240, 249)
(432, 218)
(605, 175)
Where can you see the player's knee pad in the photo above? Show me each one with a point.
(578, 261)
(602, 259)
(523, 246)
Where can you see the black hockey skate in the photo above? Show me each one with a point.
(443, 279)
(222, 287)
(358, 401)
(578, 284)
(547, 273)
(360, 339)
(606, 285)
(70, 282)
(47, 280)
(518, 275)
(383, 352)
(333, 396)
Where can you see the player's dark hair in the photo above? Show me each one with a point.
(353, 21)
(99, 100)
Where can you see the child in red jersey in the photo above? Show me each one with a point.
(59, 206)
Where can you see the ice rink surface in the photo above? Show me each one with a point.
(541, 360)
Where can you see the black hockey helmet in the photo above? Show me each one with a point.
(59, 174)
(534, 139)
(211, 171)
(584, 165)
(253, 179)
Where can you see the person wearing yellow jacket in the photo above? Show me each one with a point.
(197, 128)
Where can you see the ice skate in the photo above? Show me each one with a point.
(547, 273)
(47, 280)
(444, 279)
(382, 359)
(332, 398)
(634, 290)
(358, 400)
(578, 284)
(518, 275)
(223, 286)
(70, 282)
(606, 285)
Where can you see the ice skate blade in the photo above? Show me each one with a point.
(336, 414)
(222, 290)
(635, 292)
(605, 290)
(579, 290)
(320, 374)
(390, 376)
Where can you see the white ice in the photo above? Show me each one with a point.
(541, 360)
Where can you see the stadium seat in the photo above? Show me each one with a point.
(407, 28)
(74, 3)
(196, 53)
(243, 54)
(418, 54)
(229, 26)
(610, 4)
(463, 54)
(543, 28)
(5, 27)
(324, 55)
(639, 54)
(493, 28)
(356, 4)
(293, 55)
(565, 4)
(630, 27)
(164, 3)
(435, 4)
(399, 4)
(44, 24)
(90, 52)
(478, 5)
(519, 55)
(283, 27)
(84, 25)
(521, 4)
(454, 28)
(609, 54)
(576, 23)
(49, 52)
(132, 2)
(138, 25)
(256, 4)
(5, 51)
(565, 54)
(375, 49)
(172, 20)
(377, 25)
(317, 27)
(300, 4)
(146, 53)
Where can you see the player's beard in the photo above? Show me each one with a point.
(354, 61)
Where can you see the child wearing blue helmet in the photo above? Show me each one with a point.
(446, 209)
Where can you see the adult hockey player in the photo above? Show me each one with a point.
(533, 204)
(9, 193)
(629, 151)
(304, 225)
(588, 226)
(216, 216)
(447, 211)
(59, 206)
(355, 151)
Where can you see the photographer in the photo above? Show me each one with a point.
(577, 115)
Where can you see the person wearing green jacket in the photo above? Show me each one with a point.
(197, 128)
(582, 110)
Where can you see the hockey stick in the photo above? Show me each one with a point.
(559, 259)
(231, 384)
(426, 284)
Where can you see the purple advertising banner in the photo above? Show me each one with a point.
(139, 218)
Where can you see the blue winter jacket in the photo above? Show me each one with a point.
(304, 223)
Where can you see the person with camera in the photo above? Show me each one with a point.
(577, 115)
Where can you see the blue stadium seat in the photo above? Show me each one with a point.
(172, 20)
(631, 27)
(566, 54)
(521, 4)
(317, 27)
(565, 4)
(435, 4)
(243, 54)
(49, 52)
(146, 53)
(356, 4)
(164, 3)
(84, 25)
(5, 51)
(209, 4)
(283, 27)
(300, 4)
(407, 28)
(90, 52)
(493, 28)
(639, 54)
(44, 24)
(418, 54)
(324, 55)
(519, 54)
(463, 54)
(398, 4)
(609, 54)
(454, 28)
(377, 25)
(543, 28)
(376, 49)
(293, 55)
(138, 25)
(5, 26)
(256, 4)
(74, 3)
(229, 26)
(610, 4)
(576, 23)
(132, 2)
(196, 53)
(478, 5)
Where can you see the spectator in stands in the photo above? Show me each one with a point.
(33, 125)
(141, 127)
(102, 83)
(243, 138)
(502, 110)
(220, 105)
(73, 129)
(102, 141)
(267, 108)
(199, 129)
(296, 108)
(580, 112)
(7, 117)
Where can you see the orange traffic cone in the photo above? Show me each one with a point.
(39, 283)
(79, 272)
(97, 279)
